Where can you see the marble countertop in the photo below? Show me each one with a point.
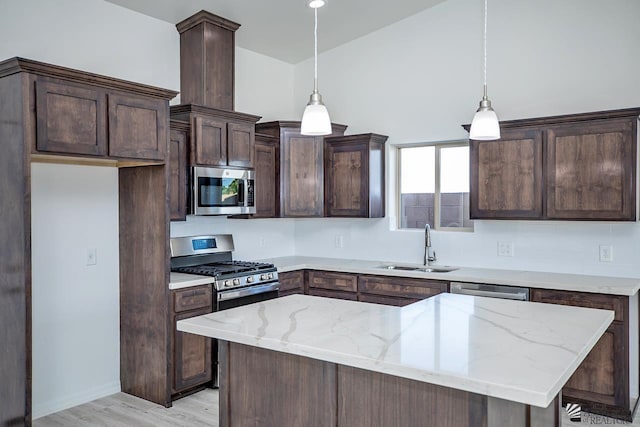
(531, 279)
(182, 280)
(519, 351)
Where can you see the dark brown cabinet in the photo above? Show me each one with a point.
(291, 283)
(267, 176)
(601, 383)
(178, 170)
(398, 291)
(591, 170)
(332, 285)
(573, 167)
(218, 137)
(506, 176)
(192, 365)
(72, 118)
(354, 178)
(301, 168)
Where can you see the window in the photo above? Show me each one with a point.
(434, 186)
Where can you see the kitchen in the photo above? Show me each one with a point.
(437, 46)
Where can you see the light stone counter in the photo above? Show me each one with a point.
(531, 279)
(182, 280)
(519, 351)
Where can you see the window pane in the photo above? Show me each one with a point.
(417, 186)
(454, 187)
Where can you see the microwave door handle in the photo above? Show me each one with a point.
(241, 190)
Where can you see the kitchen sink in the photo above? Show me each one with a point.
(425, 269)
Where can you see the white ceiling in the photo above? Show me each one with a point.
(283, 29)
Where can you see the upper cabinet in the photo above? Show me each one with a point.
(575, 167)
(83, 114)
(178, 170)
(354, 175)
(301, 169)
(218, 137)
(267, 173)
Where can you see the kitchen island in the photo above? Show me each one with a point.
(450, 360)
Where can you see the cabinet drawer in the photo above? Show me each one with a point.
(401, 287)
(619, 304)
(192, 298)
(337, 281)
(352, 296)
(293, 280)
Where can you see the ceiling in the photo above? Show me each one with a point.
(283, 29)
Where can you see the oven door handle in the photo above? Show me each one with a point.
(252, 290)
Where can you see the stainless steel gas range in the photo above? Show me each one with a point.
(235, 283)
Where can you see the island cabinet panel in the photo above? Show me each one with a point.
(267, 176)
(177, 162)
(291, 283)
(572, 167)
(371, 399)
(398, 291)
(591, 170)
(601, 383)
(70, 118)
(192, 366)
(506, 176)
(354, 175)
(267, 388)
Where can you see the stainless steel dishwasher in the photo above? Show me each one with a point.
(492, 291)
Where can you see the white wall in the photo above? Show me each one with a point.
(419, 79)
(76, 323)
(76, 338)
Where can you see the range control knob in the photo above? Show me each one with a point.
(250, 279)
(227, 283)
(236, 281)
(270, 276)
(263, 277)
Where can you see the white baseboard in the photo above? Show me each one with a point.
(41, 409)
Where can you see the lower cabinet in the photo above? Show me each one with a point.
(601, 383)
(192, 365)
(291, 283)
(333, 285)
(398, 291)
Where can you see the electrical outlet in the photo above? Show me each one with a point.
(339, 241)
(262, 242)
(606, 253)
(505, 249)
(92, 256)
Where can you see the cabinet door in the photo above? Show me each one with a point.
(591, 170)
(209, 147)
(192, 356)
(70, 119)
(266, 177)
(291, 283)
(601, 382)
(240, 144)
(302, 172)
(178, 171)
(346, 179)
(506, 176)
(138, 127)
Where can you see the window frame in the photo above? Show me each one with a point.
(436, 198)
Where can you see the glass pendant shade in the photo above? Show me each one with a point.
(485, 125)
(315, 119)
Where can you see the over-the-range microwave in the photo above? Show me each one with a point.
(222, 191)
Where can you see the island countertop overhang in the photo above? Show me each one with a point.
(519, 351)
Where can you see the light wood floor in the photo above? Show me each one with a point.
(198, 410)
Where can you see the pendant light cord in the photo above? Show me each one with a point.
(485, 48)
(315, 50)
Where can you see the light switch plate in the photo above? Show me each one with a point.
(92, 256)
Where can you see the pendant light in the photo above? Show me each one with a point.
(315, 120)
(485, 125)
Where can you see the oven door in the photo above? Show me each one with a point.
(218, 191)
(248, 295)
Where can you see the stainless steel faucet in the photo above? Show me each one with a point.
(428, 258)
